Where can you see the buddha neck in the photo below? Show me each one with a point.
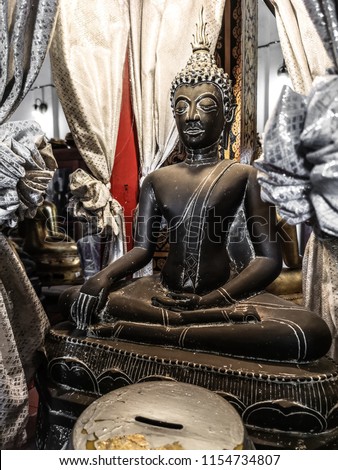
(204, 156)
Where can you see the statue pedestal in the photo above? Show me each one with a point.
(285, 406)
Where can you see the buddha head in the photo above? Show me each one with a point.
(201, 96)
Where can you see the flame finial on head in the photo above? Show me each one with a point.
(201, 39)
(202, 67)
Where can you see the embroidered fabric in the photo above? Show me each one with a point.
(92, 200)
(27, 165)
(299, 168)
(320, 285)
(284, 173)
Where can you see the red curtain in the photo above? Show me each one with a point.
(125, 175)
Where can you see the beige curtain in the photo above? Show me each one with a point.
(304, 41)
(161, 35)
(26, 167)
(88, 52)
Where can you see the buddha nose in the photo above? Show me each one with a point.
(192, 114)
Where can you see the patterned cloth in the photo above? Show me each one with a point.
(299, 169)
(284, 173)
(23, 326)
(320, 283)
(299, 174)
(26, 167)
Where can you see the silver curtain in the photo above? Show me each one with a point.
(25, 32)
(26, 166)
(23, 325)
(299, 170)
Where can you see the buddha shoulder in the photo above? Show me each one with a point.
(164, 176)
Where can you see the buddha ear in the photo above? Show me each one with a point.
(228, 119)
(225, 135)
(229, 116)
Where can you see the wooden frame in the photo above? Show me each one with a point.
(240, 62)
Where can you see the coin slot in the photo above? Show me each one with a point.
(158, 423)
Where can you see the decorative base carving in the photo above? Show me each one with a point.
(282, 405)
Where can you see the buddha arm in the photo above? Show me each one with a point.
(148, 223)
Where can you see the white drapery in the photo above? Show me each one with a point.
(88, 52)
(161, 35)
(304, 47)
(25, 31)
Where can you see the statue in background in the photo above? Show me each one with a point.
(196, 303)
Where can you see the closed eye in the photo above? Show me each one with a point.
(181, 107)
(207, 104)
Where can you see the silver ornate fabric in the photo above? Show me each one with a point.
(283, 171)
(25, 31)
(320, 283)
(91, 196)
(27, 165)
(299, 168)
(23, 326)
(305, 135)
(323, 16)
(92, 201)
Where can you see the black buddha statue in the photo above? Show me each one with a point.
(206, 319)
(197, 303)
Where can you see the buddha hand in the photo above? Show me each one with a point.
(178, 302)
(91, 299)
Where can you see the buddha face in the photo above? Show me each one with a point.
(199, 114)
